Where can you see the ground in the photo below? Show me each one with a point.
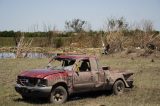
(145, 93)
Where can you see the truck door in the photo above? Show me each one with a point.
(97, 74)
(83, 80)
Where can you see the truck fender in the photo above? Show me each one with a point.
(60, 83)
(125, 83)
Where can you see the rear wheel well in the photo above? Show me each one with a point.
(118, 80)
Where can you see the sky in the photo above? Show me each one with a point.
(31, 15)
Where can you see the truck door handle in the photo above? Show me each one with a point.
(91, 77)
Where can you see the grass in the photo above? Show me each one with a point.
(145, 93)
(37, 41)
(7, 41)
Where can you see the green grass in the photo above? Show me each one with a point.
(7, 41)
(145, 93)
(37, 41)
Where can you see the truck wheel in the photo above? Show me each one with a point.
(25, 97)
(118, 87)
(58, 95)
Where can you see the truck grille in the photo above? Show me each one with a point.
(27, 81)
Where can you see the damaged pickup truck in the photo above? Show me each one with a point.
(68, 74)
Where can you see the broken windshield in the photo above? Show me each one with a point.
(61, 64)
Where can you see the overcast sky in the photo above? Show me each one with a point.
(24, 15)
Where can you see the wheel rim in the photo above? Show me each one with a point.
(58, 95)
(120, 87)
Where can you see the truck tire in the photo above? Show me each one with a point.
(25, 97)
(58, 95)
(118, 87)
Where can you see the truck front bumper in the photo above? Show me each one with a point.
(33, 91)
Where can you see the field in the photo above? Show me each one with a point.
(37, 41)
(145, 93)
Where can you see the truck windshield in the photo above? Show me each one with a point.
(61, 64)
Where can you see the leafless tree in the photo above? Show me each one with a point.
(76, 25)
(115, 28)
(23, 46)
(114, 24)
(147, 25)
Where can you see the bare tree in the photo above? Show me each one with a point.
(147, 36)
(116, 28)
(76, 25)
(51, 31)
(114, 24)
(17, 37)
(147, 25)
(23, 46)
(144, 34)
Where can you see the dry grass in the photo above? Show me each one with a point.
(145, 93)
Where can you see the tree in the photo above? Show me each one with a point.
(50, 33)
(147, 25)
(17, 37)
(117, 28)
(76, 25)
(114, 24)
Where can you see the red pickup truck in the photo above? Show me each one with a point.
(68, 74)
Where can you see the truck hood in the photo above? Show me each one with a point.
(39, 73)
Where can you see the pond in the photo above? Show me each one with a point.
(4, 55)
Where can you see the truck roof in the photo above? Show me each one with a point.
(75, 56)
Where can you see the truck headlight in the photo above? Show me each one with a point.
(42, 82)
